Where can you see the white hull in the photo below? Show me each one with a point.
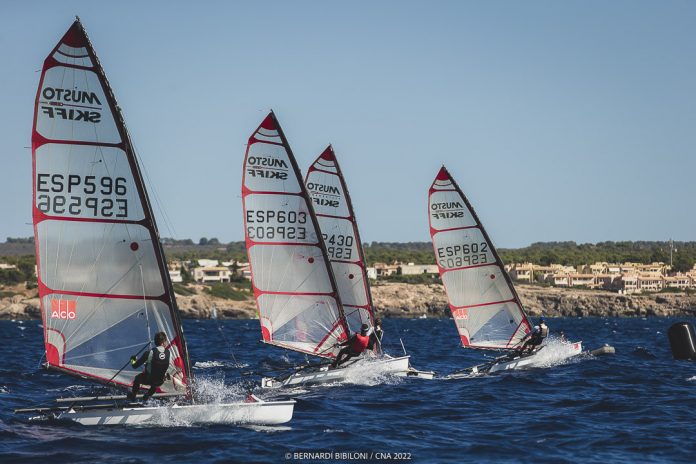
(253, 413)
(538, 359)
(390, 366)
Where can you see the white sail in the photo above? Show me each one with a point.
(484, 304)
(103, 283)
(294, 287)
(331, 201)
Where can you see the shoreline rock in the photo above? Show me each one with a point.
(415, 300)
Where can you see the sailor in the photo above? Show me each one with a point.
(354, 346)
(375, 343)
(157, 367)
(535, 337)
(562, 337)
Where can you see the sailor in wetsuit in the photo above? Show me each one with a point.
(354, 346)
(535, 337)
(157, 367)
(375, 343)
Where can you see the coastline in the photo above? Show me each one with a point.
(416, 300)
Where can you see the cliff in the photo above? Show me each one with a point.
(413, 300)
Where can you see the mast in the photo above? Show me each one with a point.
(334, 210)
(103, 280)
(295, 290)
(484, 303)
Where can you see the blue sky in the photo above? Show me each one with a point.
(568, 120)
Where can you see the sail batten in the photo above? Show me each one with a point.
(103, 282)
(484, 304)
(334, 210)
(295, 291)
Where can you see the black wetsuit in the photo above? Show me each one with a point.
(157, 365)
(536, 338)
(376, 339)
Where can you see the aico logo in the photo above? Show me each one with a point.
(462, 313)
(268, 168)
(447, 210)
(63, 309)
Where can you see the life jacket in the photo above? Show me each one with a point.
(359, 343)
(543, 331)
(157, 365)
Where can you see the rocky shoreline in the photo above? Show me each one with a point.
(416, 300)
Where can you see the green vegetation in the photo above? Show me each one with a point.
(570, 253)
(18, 251)
(23, 273)
(412, 279)
(388, 252)
(566, 253)
(228, 292)
(183, 290)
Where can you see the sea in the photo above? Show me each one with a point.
(636, 405)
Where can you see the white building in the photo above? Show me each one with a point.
(205, 274)
(175, 275)
(415, 269)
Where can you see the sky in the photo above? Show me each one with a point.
(570, 120)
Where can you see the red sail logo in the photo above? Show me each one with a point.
(461, 313)
(63, 309)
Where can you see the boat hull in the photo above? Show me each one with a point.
(538, 359)
(252, 413)
(390, 366)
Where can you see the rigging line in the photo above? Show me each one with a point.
(153, 189)
(126, 365)
(41, 359)
(227, 341)
(72, 249)
(147, 317)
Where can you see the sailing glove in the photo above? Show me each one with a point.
(133, 360)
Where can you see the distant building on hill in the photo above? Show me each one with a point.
(625, 278)
(415, 269)
(211, 274)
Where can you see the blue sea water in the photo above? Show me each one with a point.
(635, 406)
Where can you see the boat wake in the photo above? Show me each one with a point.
(370, 372)
(216, 391)
(556, 353)
(213, 364)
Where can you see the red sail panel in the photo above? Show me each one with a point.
(103, 282)
(484, 303)
(299, 307)
(334, 209)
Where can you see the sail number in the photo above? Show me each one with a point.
(75, 195)
(463, 255)
(339, 246)
(266, 224)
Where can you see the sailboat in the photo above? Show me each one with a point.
(485, 307)
(103, 282)
(295, 289)
(338, 225)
